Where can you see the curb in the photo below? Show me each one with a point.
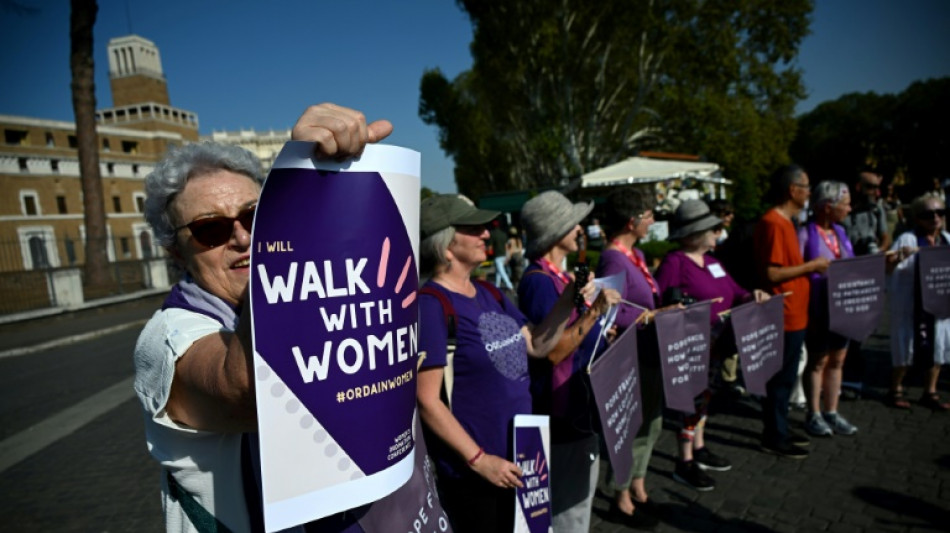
(15, 352)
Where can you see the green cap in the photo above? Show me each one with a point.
(444, 210)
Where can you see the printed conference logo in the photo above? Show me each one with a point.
(335, 310)
(504, 344)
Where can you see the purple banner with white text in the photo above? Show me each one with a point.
(933, 264)
(335, 330)
(759, 331)
(856, 295)
(615, 380)
(532, 445)
(683, 336)
(413, 507)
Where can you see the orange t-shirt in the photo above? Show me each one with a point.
(776, 244)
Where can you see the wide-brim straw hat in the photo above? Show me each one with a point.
(547, 218)
(692, 216)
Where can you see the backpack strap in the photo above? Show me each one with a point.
(448, 313)
(493, 290)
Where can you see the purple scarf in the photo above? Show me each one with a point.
(813, 245)
(186, 294)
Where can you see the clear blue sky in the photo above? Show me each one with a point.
(255, 64)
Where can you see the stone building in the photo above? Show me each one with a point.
(265, 144)
(41, 210)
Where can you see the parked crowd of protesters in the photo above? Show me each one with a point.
(193, 371)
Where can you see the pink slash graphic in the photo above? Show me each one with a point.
(383, 264)
(409, 299)
(405, 272)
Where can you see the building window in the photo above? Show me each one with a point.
(16, 137)
(30, 203)
(73, 141)
(139, 199)
(54, 165)
(61, 204)
(124, 246)
(105, 145)
(130, 147)
(21, 162)
(135, 169)
(49, 139)
(110, 168)
(38, 255)
(116, 204)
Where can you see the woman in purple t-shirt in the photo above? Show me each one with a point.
(629, 215)
(824, 237)
(469, 395)
(694, 275)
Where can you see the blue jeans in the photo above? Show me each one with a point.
(779, 390)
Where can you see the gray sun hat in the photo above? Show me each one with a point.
(547, 218)
(443, 210)
(692, 216)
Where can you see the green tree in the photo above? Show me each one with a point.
(898, 135)
(559, 88)
(81, 21)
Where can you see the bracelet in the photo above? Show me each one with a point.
(476, 457)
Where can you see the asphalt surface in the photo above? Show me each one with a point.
(894, 475)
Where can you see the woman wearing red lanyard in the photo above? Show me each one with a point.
(558, 389)
(629, 215)
(825, 237)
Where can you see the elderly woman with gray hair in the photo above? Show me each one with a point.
(193, 360)
(825, 237)
(552, 224)
(474, 378)
(915, 333)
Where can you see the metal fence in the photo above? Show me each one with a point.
(29, 265)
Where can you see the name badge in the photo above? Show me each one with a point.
(716, 270)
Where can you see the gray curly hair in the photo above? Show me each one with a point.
(183, 163)
(432, 251)
(829, 192)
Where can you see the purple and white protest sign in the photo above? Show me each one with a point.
(683, 336)
(759, 330)
(615, 380)
(335, 329)
(415, 506)
(933, 264)
(532, 449)
(856, 295)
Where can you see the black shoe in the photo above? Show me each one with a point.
(707, 460)
(797, 439)
(640, 519)
(784, 449)
(692, 475)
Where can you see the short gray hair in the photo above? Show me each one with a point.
(183, 163)
(829, 192)
(432, 251)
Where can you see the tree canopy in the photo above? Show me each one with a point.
(902, 136)
(559, 88)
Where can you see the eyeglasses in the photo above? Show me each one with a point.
(931, 213)
(802, 185)
(215, 231)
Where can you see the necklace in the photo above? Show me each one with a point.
(467, 290)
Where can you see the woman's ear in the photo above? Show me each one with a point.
(176, 254)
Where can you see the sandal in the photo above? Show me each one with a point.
(896, 399)
(933, 401)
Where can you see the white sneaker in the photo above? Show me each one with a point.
(839, 425)
(816, 426)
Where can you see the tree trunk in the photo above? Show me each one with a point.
(81, 21)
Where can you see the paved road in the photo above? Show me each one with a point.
(893, 476)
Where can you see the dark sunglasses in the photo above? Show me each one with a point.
(930, 213)
(215, 231)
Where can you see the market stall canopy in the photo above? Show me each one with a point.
(649, 170)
